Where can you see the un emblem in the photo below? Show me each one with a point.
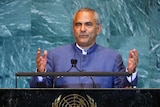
(74, 100)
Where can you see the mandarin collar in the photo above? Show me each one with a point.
(89, 50)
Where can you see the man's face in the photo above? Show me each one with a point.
(85, 29)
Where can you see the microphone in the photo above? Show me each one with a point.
(54, 81)
(74, 62)
(94, 84)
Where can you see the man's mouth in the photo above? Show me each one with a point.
(83, 36)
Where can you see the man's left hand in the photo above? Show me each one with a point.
(132, 61)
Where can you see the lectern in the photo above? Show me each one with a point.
(89, 97)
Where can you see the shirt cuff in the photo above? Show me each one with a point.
(40, 78)
(132, 77)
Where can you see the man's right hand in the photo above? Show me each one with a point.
(41, 61)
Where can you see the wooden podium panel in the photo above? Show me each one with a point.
(52, 97)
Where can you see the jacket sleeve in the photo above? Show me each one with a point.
(44, 82)
(121, 81)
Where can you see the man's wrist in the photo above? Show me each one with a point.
(135, 71)
(43, 70)
(131, 71)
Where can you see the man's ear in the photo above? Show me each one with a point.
(99, 28)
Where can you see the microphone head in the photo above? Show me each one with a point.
(73, 61)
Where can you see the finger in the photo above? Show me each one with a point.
(45, 54)
(135, 55)
(132, 62)
(135, 52)
(131, 54)
(38, 53)
(39, 58)
(131, 65)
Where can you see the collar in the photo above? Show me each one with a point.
(82, 51)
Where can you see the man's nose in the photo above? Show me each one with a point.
(83, 28)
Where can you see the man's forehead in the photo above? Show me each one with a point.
(85, 13)
(84, 16)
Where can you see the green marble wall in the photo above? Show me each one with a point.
(26, 25)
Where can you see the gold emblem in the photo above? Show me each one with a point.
(74, 100)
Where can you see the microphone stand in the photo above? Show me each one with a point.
(73, 62)
(54, 81)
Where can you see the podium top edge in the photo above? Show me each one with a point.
(73, 74)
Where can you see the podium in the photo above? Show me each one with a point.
(83, 97)
(52, 97)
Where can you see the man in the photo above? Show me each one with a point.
(89, 56)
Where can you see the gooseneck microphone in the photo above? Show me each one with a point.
(74, 63)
